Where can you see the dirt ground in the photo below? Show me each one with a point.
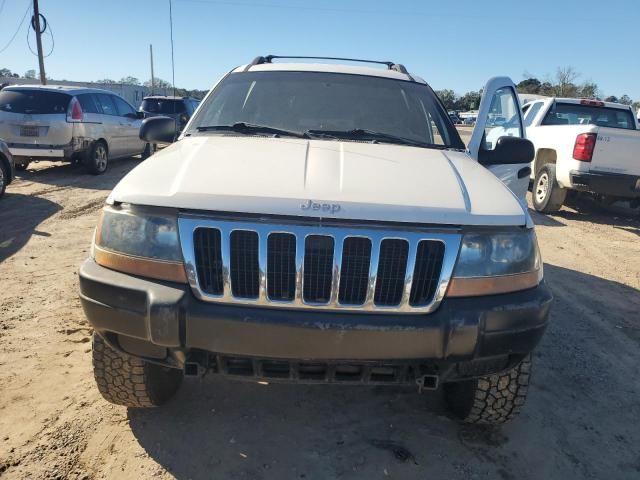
(581, 419)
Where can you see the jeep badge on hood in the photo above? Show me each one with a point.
(324, 207)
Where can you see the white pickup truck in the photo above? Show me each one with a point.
(584, 145)
(322, 223)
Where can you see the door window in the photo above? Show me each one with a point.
(531, 114)
(503, 119)
(106, 103)
(87, 103)
(123, 107)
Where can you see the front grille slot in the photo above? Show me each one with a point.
(318, 268)
(392, 269)
(354, 274)
(427, 272)
(245, 272)
(281, 266)
(290, 265)
(208, 256)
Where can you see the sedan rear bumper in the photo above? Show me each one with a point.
(37, 152)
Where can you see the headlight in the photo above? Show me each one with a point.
(140, 241)
(491, 263)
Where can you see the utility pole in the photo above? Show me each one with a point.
(36, 26)
(152, 77)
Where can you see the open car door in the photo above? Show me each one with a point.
(500, 116)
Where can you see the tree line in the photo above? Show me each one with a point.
(563, 84)
(158, 83)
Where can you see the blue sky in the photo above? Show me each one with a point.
(456, 45)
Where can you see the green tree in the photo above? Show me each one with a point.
(612, 98)
(589, 89)
(529, 85)
(469, 101)
(129, 80)
(106, 81)
(448, 98)
(5, 72)
(30, 74)
(158, 83)
(625, 100)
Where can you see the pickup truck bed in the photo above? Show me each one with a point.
(583, 145)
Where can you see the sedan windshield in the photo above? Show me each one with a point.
(349, 107)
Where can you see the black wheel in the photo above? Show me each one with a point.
(4, 177)
(21, 167)
(547, 195)
(129, 381)
(490, 400)
(97, 159)
(146, 153)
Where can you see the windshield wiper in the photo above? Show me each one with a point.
(364, 134)
(249, 128)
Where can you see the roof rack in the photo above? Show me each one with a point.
(398, 67)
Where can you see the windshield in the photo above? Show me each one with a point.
(162, 105)
(33, 101)
(332, 102)
(578, 114)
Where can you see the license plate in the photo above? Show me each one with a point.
(28, 131)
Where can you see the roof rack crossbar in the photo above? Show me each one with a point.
(269, 59)
(398, 67)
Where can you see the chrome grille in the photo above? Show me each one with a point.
(208, 260)
(245, 274)
(281, 266)
(392, 270)
(427, 271)
(308, 266)
(354, 272)
(318, 268)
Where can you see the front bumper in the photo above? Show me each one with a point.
(165, 322)
(615, 184)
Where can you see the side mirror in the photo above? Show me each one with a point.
(132, 115)
(508, 151)
(140, 115)
(158, 130)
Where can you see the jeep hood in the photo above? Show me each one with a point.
(346, 180)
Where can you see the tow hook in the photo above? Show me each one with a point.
(427, 382)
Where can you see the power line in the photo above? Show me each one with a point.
(17, 30)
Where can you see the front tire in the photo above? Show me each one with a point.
(547, 195)
(98, 158)
(130, 381)
(490, 400)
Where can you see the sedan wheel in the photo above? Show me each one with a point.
(98, 158)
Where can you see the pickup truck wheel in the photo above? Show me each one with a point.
(97, 158)
(130, 381)
(548, 196)
(490, 400)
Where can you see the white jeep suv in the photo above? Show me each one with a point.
(321, 223)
